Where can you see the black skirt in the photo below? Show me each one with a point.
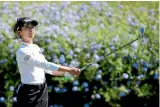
(32, 96)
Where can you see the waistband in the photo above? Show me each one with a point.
(35, 85)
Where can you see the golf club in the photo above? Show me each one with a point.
(87, 66)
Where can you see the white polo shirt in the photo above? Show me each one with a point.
(32, 64)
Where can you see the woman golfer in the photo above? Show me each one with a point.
(32, 65)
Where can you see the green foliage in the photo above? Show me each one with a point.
(114, 65)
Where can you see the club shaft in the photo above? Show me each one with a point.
(118, 49)
(87, 66)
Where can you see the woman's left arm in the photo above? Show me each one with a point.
(57, 73)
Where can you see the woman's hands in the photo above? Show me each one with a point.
(71, 70)
(74, 71)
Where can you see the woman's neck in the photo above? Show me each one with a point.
(29, 41)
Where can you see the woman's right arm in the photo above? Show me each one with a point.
(25, 56)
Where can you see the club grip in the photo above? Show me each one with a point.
(85, 67)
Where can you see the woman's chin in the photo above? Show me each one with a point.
(31, 36)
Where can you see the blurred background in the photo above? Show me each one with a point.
(77, 33)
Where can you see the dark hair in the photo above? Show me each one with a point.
(15, 31)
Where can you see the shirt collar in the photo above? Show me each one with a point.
(26, 44)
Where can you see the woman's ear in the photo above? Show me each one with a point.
(19, 33)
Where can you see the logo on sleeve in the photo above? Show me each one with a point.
(27, 57)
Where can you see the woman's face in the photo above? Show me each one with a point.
(27, 32)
